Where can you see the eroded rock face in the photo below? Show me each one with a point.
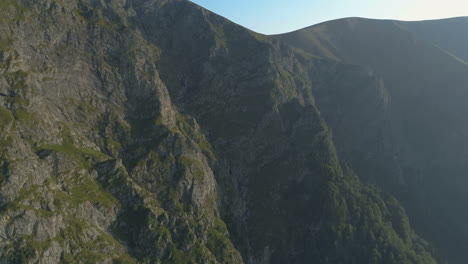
(97, 162)
(158, 132)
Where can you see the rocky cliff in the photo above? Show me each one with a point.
(153, 131)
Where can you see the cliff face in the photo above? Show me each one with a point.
(407, 136)
(151, 131)
(98, 164)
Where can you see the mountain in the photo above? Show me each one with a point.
(447, 34)
(154, 131)
(407, 134)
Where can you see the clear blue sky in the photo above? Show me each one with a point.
(279, 16)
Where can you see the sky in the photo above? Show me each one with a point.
(280, 16)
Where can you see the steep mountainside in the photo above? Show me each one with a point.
(153, 131)
(450, 35)
(408, 135)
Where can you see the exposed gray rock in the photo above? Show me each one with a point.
(151, 131)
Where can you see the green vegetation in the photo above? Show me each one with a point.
(18, 101)
(23, 197)
(91, 191)
(188, 131)
(89, 251)
(86, 256)
(362, 220)
(305, 55)
(6, 43)
(218, 32)
(17, 80)
(39, 246)
(196, 254)
(124, 259)
(23, 115)
(18, 205)
(5, 142)
(81, 155)
(405, 78)
(17, 7)
(86, 191)
(173, 196)
(85, 105)
(114, 145)
(6, 117)
(23, 254)
(74, 236)
(95, 16)
(341, 218)
(72, 150)
(220, 245)
(188, 162)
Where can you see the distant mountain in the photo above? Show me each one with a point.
(450, 35)
(407, 134)
(154, 131)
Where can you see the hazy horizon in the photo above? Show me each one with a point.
(275, 17)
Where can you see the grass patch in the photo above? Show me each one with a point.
(85, 256)
(37, 245)
(16, 206)
(16, 80)
(6, 44)
(196, 254)
(84, 156)
(193, 166)
(87, 191)
(92, 15)
(23, 254)
(187, 162)
(18, 101)
(7, 5)
(219, 244)
(90, 251)
(92, 191)
(6, 117)
(32, 193)
(22, 115)
(114, 145)
(5, 142)
(187, 130)
(124, 259)
(82, 105)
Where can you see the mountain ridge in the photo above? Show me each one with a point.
(374, 19)
(151, 131)
(418, 89)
